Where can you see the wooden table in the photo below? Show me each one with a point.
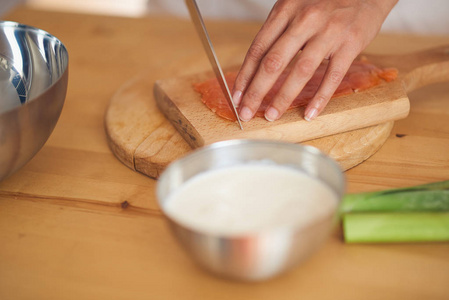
(75, 223)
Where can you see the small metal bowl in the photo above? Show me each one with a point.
(33, 84)
(272, 251)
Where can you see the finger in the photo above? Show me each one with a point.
(336, 70)
(303, 69)
(269, 70)
(265, 38)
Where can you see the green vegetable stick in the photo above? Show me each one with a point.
(395, 227)
(427, 197)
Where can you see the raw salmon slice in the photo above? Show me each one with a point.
(361, 75)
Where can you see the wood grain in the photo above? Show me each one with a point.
(76, 223)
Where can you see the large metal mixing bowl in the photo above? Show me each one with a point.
(271, 251)
(33, 84)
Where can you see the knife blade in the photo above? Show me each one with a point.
(200, 27)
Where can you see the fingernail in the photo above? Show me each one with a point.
(237, 97)
(311, 114)
(271, 114)
(245, 114)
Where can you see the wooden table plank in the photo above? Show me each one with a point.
(417, 151)
(75, 223)
(58, 252)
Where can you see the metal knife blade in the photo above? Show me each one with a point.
(197, 19)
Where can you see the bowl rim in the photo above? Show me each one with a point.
(14, 24)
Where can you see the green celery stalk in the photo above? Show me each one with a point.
(395, 227)
(421, 198)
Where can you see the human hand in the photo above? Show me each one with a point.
(337, 30)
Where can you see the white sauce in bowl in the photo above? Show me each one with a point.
(248, 198)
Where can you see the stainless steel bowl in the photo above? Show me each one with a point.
(33, 84)
(272, 251)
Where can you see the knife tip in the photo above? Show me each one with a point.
(240, 123)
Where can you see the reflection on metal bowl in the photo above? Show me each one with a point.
(33, 84)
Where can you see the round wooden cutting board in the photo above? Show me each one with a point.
(144, 140)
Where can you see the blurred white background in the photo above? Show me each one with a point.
(411, 16)
(129, 8)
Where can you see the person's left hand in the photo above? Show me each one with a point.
(337, 30)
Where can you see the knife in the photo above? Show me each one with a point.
(197, 19)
